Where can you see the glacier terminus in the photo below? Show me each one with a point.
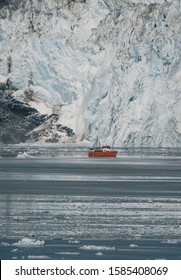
(91, 71)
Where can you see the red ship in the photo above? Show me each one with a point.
(103, 151)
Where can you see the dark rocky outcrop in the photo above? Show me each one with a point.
(17, 119)
(52, 132)
(13, 3)
(20, 123)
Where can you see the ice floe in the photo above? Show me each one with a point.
(74, 241)
(14, 250)
(97, 248)
(99, 254)
(24, 155)
(29, 242)
(5, 244)
(40, 257)
(68, 253)
(133, 245)
(171, 241)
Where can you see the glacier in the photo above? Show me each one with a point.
(109, 70)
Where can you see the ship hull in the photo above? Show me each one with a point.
(102, 154)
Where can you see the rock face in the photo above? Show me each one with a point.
(20, 122)
(110, 70)
(16, 119)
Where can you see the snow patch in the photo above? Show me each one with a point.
(3, 79)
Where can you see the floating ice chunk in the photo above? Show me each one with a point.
(68, 253)
(171, 241)
(19, 218)
(74, 241)
(23, 155)
(43, 257)
(29, 242)
(97, 248)
(14, 250)
(133, 245)
(99, 254)
(5, 244)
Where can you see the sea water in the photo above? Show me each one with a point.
(135, 216)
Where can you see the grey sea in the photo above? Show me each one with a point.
(56, 203)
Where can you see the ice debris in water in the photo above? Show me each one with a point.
(29, 242)
(14, 250)
(133, 245)
(23, 155)
(67, 253)
(99, 254)
(97, 248)
(171, 241)
(74, 241)
(31, 257)
(4, 244)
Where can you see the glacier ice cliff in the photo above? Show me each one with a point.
(110, 70)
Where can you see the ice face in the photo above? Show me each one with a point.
(109, 69)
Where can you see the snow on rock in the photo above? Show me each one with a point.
(109, 69)
(29, 242)
(3, 80)
(52, 131)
